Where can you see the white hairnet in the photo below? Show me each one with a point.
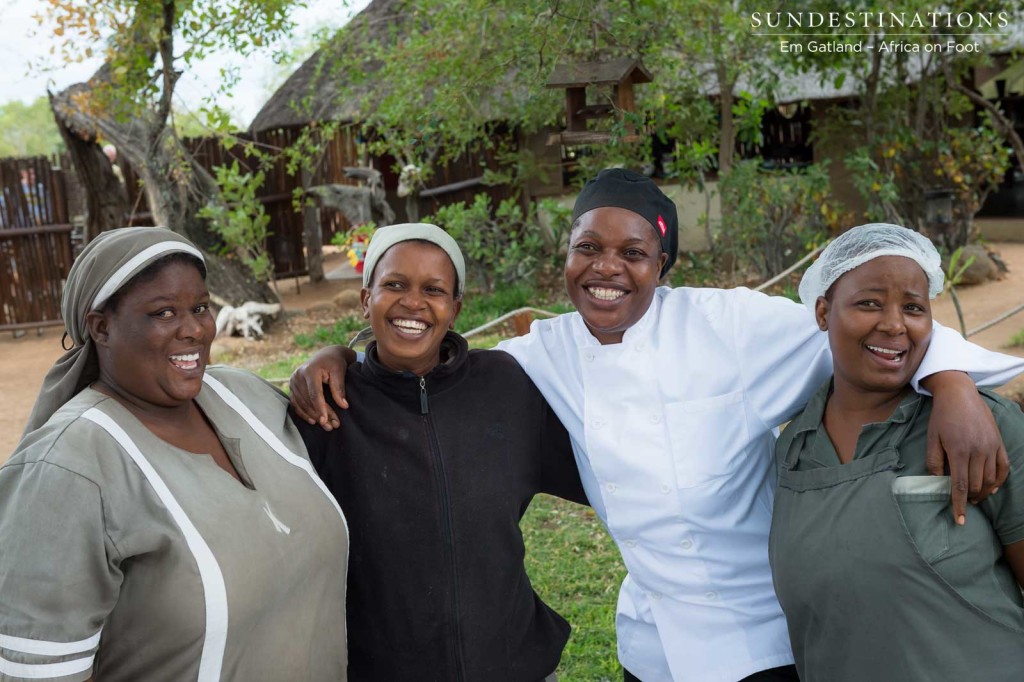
(867, 242)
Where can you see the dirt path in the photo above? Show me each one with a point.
(25, 361)
(23, 364)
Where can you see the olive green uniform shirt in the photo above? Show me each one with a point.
(924, 499)
(125, 558)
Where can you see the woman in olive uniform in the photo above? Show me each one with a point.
(161, 520)
(877, 580)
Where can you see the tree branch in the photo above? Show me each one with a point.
(170, 76)
(1002, 124)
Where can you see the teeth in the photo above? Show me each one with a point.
(886, 351)
(188, 357)
(410, 325)
(606, 294)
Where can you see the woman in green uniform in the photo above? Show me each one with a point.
(160, 520)
(876, 579)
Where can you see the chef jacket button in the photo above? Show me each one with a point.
(686, 544)
(656, 596)
(597, 423)
(711, 596)
(640, 346)
(655, 418)
(630, 543)
(588, 356)
(610, 487)
(665, 489)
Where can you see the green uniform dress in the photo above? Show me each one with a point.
(876, 581)
(125, 558)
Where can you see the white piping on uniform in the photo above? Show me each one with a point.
(126, 270)
(42, 647)
(214, 592)
(272, 440)
(42, 671)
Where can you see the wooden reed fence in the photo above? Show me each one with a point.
(35, 242)
(34, 262)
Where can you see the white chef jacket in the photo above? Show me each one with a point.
(673, 434)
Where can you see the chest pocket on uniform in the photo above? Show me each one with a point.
(924, 504)
(708, 437)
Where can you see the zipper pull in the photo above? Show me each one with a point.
(423, 396)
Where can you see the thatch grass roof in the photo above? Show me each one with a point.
(312, 93)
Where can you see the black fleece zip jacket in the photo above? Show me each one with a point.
(433, 475)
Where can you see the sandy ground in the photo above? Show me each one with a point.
(24, 361)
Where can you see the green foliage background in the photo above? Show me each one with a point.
(28, 129)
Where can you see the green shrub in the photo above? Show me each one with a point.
(694, 269)
(500, 248)
(773, 217)
(240, 220)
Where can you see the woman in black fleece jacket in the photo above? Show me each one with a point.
(440, 454)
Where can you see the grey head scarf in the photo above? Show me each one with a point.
(103, 267)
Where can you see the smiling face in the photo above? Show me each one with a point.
(411, 305)
(612, 270)
(879, 322)
(154, 341)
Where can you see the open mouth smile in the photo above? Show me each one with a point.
(889, 355)
(605, 294)
(410, 327)
(185, 360)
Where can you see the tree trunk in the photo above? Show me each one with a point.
(175, 186)
(312, 234)
(1002, 124)
(727, 129)
(106, 201)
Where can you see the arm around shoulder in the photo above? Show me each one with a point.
(948, 350)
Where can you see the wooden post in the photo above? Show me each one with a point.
(522, 323)
(312, 234)
(575, 101)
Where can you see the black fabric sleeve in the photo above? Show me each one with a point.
(559, 475)
(315, 439)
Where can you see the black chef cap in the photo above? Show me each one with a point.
(621, 188)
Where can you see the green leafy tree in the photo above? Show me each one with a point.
(28, 129)
(912, 129)
(429, 79)
(146, 45)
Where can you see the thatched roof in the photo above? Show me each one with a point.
(312, 92)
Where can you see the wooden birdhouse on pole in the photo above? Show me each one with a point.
(618, 75)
